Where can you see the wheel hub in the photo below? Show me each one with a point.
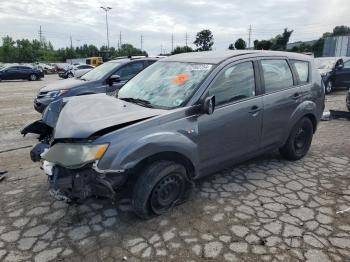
(166, 193)
(300, 138)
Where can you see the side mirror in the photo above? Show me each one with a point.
(208, 105)
(113, 79)
(339, 65)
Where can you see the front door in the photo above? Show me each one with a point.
(342, 75)
(233, 130)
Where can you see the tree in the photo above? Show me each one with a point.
(231, 47)
(129, 50)
(204, 40)
(280, 41)
(341, 30)
(240, 44)
(262, 45)
(8, 50)
(181, 49)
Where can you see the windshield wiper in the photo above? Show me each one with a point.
(138, 101)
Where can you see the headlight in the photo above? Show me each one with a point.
(55, 93)
(74, 155)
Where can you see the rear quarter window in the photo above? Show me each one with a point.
(277, 75)
(302, 70)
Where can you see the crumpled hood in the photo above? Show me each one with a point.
(63, 84)
(85, 115)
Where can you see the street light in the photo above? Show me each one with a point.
(106, 9)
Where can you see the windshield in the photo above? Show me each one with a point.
(325, 63)
(165, 84)
(98, 72)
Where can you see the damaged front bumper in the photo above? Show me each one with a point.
(76, 185)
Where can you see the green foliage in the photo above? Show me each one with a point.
(204, 40)
(240, 44)
(26, 51)
(279, 42)
(263, 44)
(181, 49)
(231, 47)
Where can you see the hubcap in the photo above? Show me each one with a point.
(166, 192)
(33, 77)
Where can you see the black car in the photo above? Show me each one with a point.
(69, 73)
(20, 72)
(106, 78)
(335, 72)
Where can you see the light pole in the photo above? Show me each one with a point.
(106, 9)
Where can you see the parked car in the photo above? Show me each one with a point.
(108, 77)
(335, 72)
(69, 72)
(79, 72)
(20, 72)
(183, 118)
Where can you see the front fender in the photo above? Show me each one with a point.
(129, 156)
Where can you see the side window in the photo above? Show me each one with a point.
(130, 70)
(347, 64)
(302, 69)
(277, 75)
(234, 83)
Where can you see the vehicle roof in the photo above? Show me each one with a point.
(217, 57)
(125, 60)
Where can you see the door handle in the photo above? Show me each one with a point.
(296, 96)
(254, 109)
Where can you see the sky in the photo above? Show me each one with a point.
(157, 20)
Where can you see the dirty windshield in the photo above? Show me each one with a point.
(165, 84)
(98, 72)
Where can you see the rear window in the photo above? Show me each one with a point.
(302, 68)
(277, 75)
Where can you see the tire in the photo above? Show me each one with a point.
(33, 77)
(70, 75)
(159, 188)
(299, 140)
(329, 87)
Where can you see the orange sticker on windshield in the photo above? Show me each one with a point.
(180, 79)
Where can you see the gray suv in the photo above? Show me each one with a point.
(182, 118)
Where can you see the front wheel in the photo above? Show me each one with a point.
(329, 87)
(159, 188)
(70, 75)
(33, 77)
(299, 140)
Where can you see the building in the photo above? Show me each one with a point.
(337, 46)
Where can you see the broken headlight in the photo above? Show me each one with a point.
(74, 155)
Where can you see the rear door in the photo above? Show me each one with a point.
(281, 98)
(342, 75)
(234, 129)
(11, 73)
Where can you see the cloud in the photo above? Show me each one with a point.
(156, 20)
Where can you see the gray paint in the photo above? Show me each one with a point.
(231, 134)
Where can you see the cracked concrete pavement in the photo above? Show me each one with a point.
(266, 209)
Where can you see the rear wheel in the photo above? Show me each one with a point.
(159, 188)
(33, 77)
(299, 140)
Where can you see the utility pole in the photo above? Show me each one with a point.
(141, 41)
(186, 39)
(40, 34)
(106, 9)
(172, 42)
(161, 49)
(120, 39)
(71, 42)
(249, 35)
